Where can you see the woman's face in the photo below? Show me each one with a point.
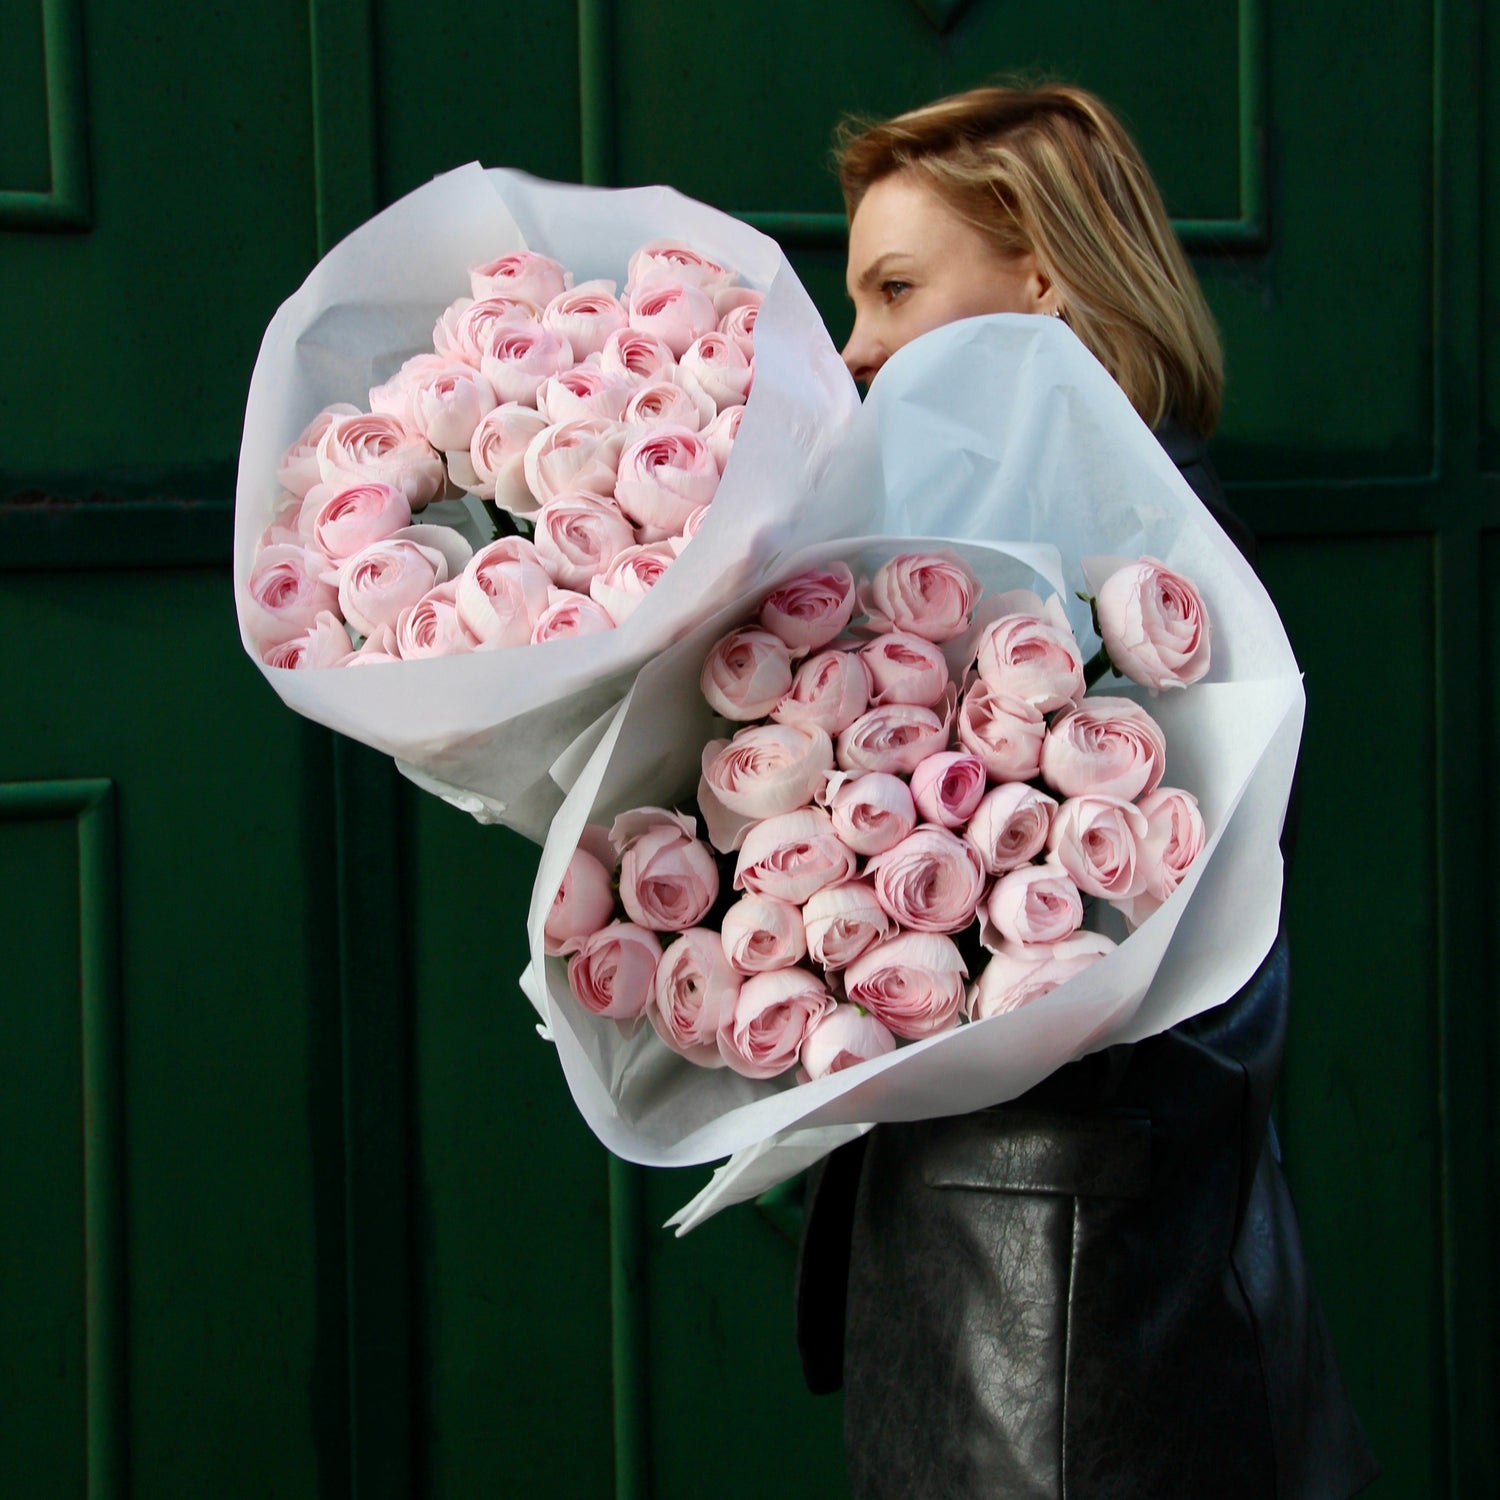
(915, 265)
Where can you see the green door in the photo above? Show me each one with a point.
(297, 1203)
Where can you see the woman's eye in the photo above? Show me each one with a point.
(891, 290)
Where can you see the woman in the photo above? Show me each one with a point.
(1098, 1289)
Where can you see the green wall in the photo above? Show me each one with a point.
(298, 1203)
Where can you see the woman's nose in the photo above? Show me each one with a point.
(863, 355)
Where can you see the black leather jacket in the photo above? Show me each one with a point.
(1096, 1291)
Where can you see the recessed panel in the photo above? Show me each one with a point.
(23, 99)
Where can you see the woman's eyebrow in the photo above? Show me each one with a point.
(878, 267)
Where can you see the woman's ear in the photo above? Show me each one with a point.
(1043, 289)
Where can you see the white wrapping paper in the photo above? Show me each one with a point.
(485, 729)
(995, 427)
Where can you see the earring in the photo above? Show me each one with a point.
(1057, 312)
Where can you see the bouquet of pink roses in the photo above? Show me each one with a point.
(459, 373)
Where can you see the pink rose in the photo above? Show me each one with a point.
(325, 644)
(394, 397)
(663, 403)
(844, 1037)
(904, 668)
(578, 455)
(286, 594)
(671, 262)
(947, 787)
(1175, 837)
(675, 314)
(873, 812)
(913, 984)
(739, 324)
(523, 275)
(568, 616)
(811, 609)
(746, 674)
(502, 592)
(612, 973)
(694, 989)
(621, 585)
(585, 317)
(721, 433)
(494, 468)
(465, 328)
(1034, 904)
(1097, 840)
(347, 520)
(298, 470)
(584, 903)
(843, 921)
(638, 356)
(1021, 656)
(448, 402)
(1155, 625)
(578, 535)
(830, 689)
(760, 933)
(1005, 733)
(793, 855)
(668, 879)
(897, 737)
(689, 530)
(761, 1034)
(929, 594)
(519, 357)
(930, 882)
(583, 391)
(384, 579)
(433, 626)
(769, 769)
(371, 447)
(1010, 826)
(719, 367)
(1108, 746)
(1020, 973)
(663, 477)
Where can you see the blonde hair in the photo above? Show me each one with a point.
(1050, 170)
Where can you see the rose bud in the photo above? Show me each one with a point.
(844, 1037)
(913, 984)
(1155, 625)
(346, 520)
(579, 534)
(522, 275)
(1005, 733)
(677, 315)
(502, 591)
(585, 316)
(760, 933)
(371, 447)
(1106, 746)
(519, 357)
(929, 594)
(621, 585)
(668, 879)
(721, 433)
(719, 367)
(1020, 973)
(694, 989)
(385, 578)
(298, 470)
(465, 328)
(638, 357)
(448, 403)
(739, 324)
(494, 468)
(931, 881)
(1021, 656)
(830, 689)
(768, 769)
(904, 668)
(1097, 840)
(663, 403)
(584, 903)
(896, 738)
(792, 855)
(746, 674)
(947, 787)
(671, 262)
(811, 609)
(433, 626)
(1035, 904)
(569, 615)
(394, 397)
(584, 391)
(871, 813)
(287, 593)
(843, 921)
(579, 455)
(1010, 826)
(1175, 836)
(612, 973)
(762, 1032)
(325, 644)
(662, 478)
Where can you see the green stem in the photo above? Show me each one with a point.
(1097, 666)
